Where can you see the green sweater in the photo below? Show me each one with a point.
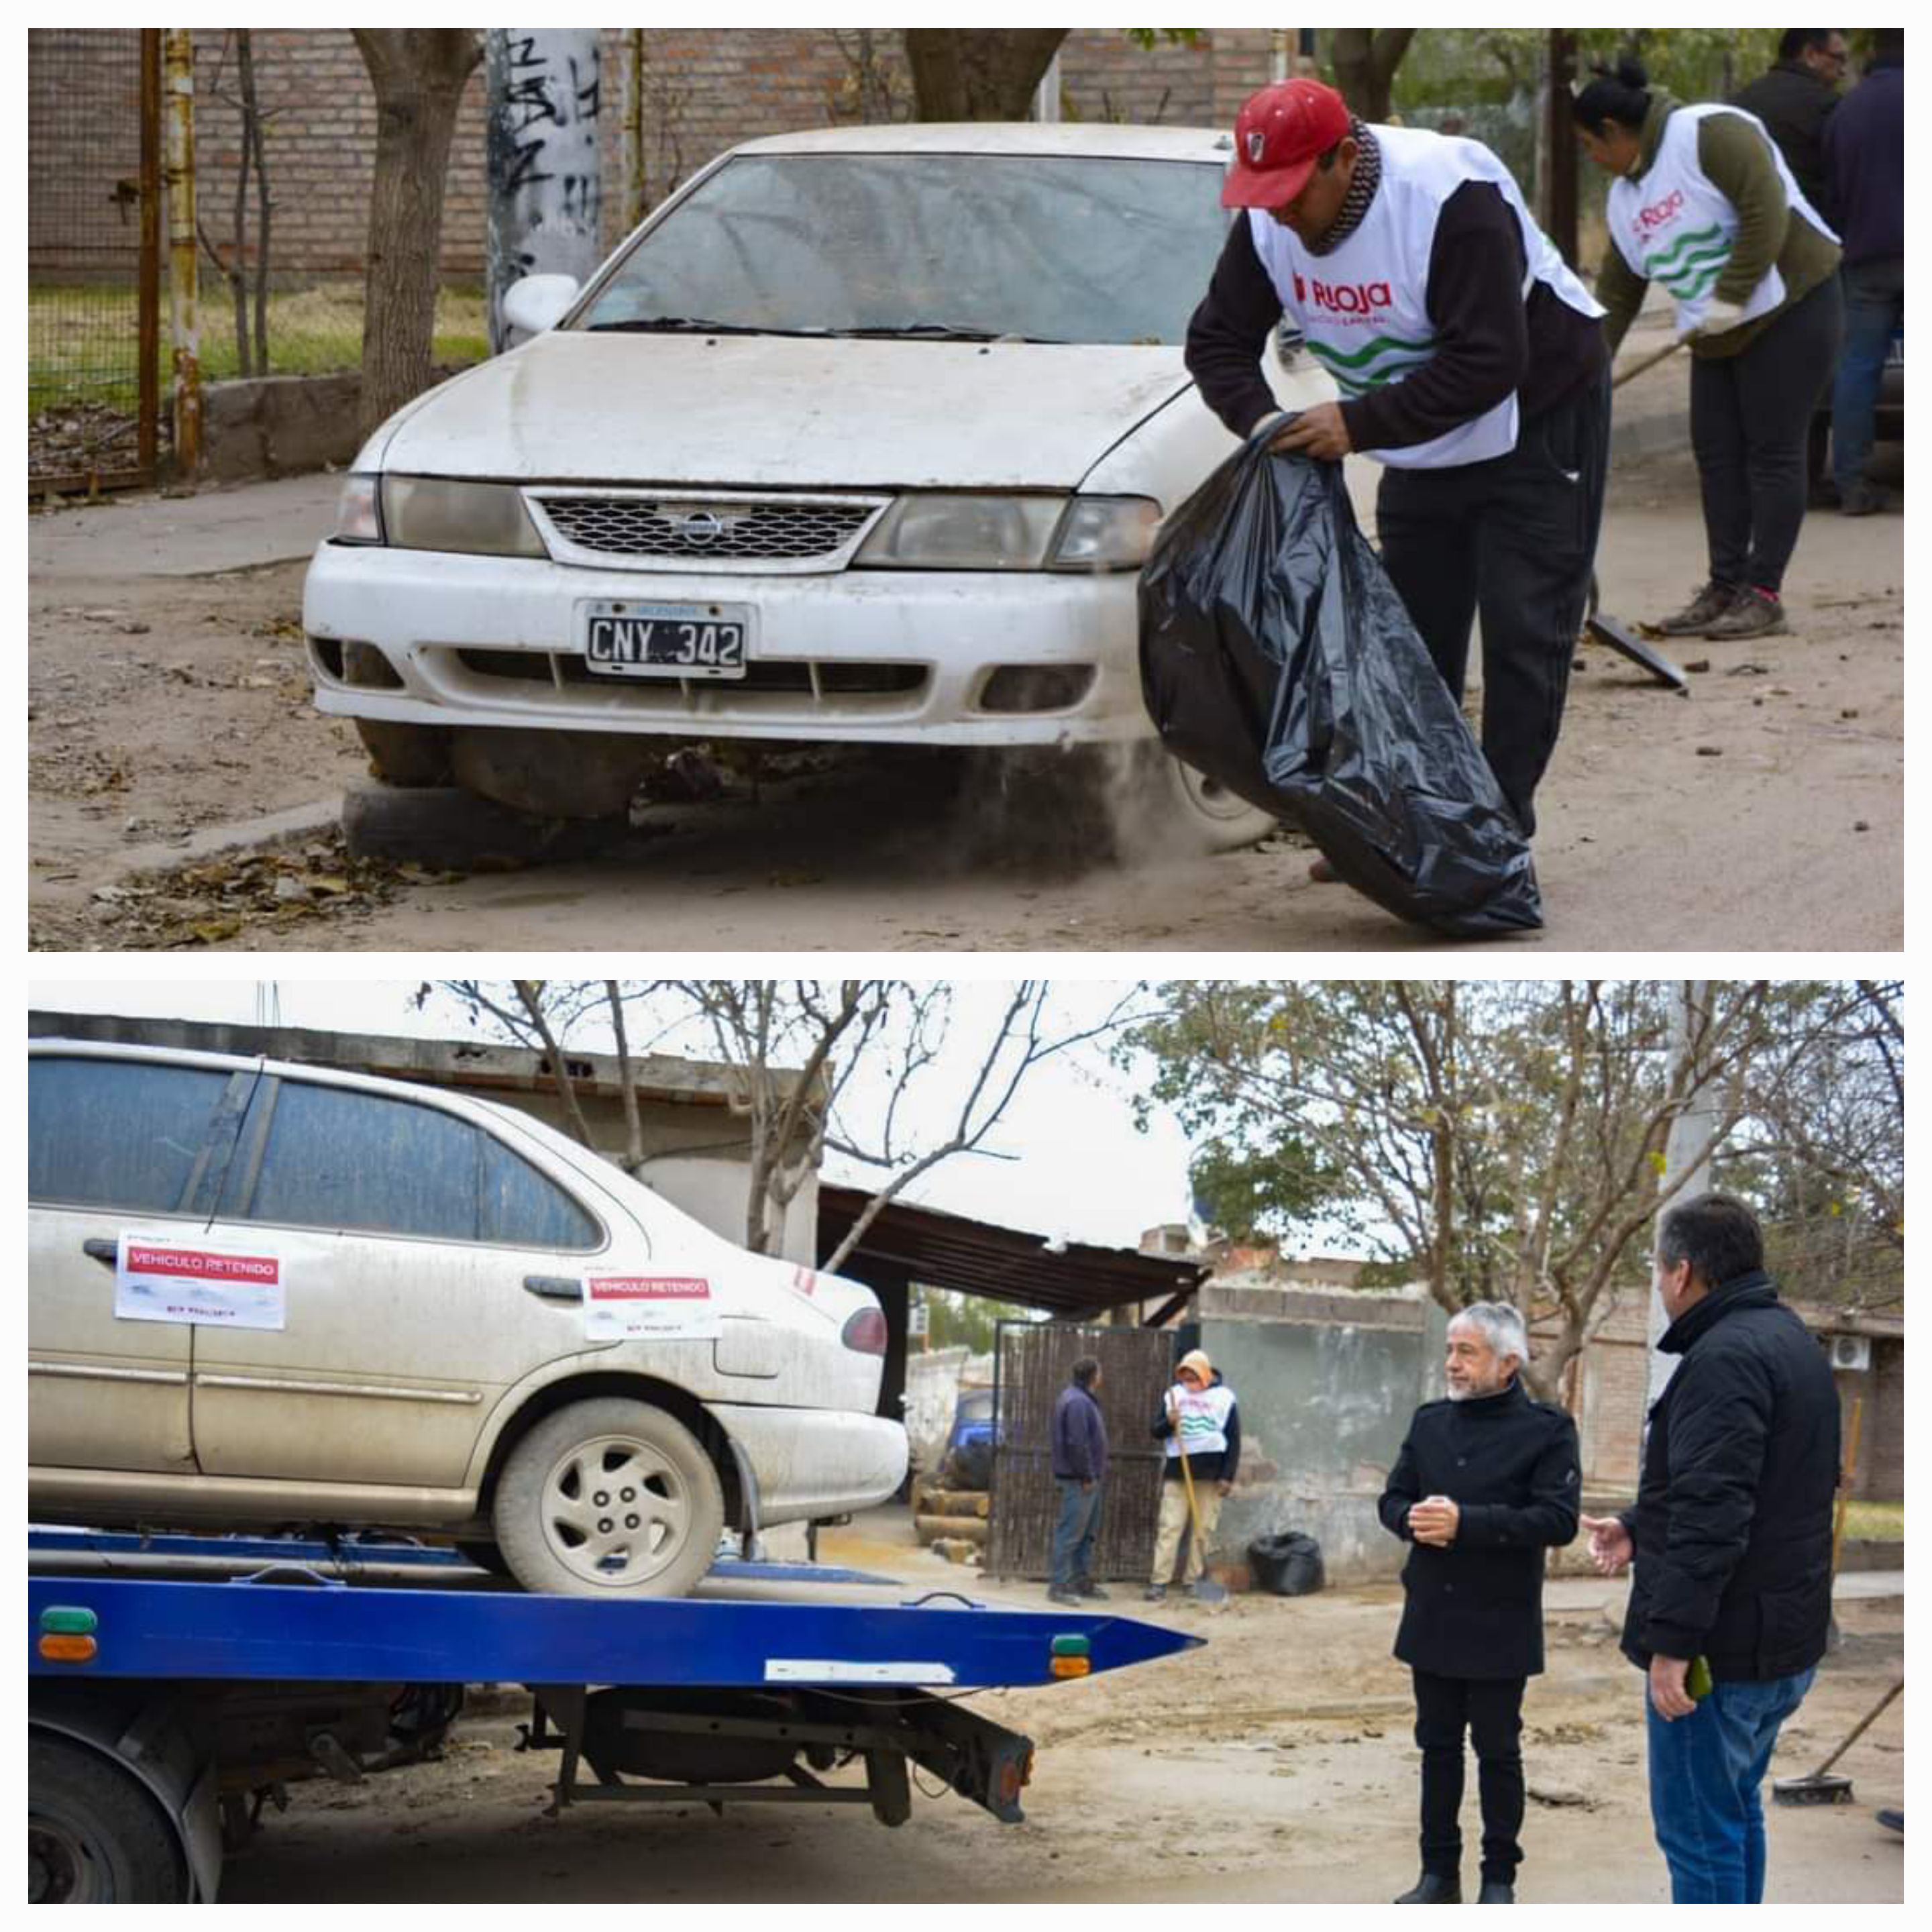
(1738, 161)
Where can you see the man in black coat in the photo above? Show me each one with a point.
(1486, 1482)
(1732, 1538)
(1794, 99)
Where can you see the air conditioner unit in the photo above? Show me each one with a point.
(1851, 1351)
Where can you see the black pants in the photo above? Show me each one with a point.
(1491, 1709)
(1515, 539)
(1750, 416)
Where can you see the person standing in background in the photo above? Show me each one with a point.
(1199, 1416)
(1080, 1473)
(1864, 167)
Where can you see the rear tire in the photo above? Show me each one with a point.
(94, 1835)
(654, 1530)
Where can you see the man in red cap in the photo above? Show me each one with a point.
(1471, 363)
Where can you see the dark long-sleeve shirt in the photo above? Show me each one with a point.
(1488, 339)
(1079, 1437)
(1796, 107)
(1864, 163)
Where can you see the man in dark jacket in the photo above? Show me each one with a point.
(1486, 1482)
(1732, 1539)
(1472, 368)
(1794, 99)
(1079, 1469)
(1864, 164)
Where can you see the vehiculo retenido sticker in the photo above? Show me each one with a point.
(163, 1278)
(638, 1307)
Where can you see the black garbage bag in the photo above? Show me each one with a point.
(1287, 1565)
(1276, 657)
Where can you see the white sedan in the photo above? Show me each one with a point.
(861, 437)
(260, 1293)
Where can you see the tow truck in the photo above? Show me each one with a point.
(179, 1684)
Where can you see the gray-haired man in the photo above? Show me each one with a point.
(1486, 1482)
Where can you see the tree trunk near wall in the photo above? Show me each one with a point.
(419, 74)
(988, 75)
(1365, 61)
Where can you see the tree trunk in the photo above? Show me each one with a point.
(983, 75)
(1365, 61)
(419, 74)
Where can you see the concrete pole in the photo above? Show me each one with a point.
(185, 319)
(1046, 96)
(544, 158)
(1687, 1152)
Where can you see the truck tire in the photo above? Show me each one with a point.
(410, 757)
(609, 1497)
(94, 1835)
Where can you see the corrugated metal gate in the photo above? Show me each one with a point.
(1031, 1363)
(94, 242)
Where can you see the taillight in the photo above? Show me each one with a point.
(866, 1332)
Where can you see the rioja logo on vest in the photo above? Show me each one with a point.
(1343, 298)
(1648, 220)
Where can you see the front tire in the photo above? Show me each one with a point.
(94, 1836)
(609, 1497)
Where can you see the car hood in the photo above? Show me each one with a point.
(782, 412)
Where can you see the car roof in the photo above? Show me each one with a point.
(1102, 139)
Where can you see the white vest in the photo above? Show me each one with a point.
(1203, 1428)
(1362, 308)
(1674, 225)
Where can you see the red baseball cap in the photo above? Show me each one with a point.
(1278, 135)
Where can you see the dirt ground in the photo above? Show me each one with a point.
(1764, 812)
(1276, 1763)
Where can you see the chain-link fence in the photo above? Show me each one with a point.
(92, 246)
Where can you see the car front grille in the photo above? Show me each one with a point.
(684, 531)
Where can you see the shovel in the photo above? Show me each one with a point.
(1824, 1785)
(1205, 1589)
(1613, 631)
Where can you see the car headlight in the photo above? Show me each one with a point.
(932, 531)
(433, 513)
(1106, 533)
(358, 518)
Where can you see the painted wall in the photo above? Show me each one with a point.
(1327, 1384)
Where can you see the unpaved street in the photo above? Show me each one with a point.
(1274, 1764)
(1764, 811)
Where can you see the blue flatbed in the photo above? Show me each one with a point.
(209, 1671)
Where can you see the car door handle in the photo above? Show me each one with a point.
(102, 1251)
(555, 1287)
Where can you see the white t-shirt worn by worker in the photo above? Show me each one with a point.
(1674, 225)
(1363, 308)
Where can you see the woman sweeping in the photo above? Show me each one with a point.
(1703, 202)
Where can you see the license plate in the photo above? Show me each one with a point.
(628, 639)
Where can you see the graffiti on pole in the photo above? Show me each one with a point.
(544, 165)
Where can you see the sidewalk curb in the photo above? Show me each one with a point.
(297, 821)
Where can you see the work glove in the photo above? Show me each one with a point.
(1720, 318)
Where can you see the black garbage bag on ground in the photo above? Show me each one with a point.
(1287, 1565)
(1276, 657)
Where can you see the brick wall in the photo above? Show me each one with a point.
(703, 90)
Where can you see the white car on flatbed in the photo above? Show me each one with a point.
(861, 438)
(265, 1294)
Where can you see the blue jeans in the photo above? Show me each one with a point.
(1073, 1534)
(1874, 313)
(1704, 1772)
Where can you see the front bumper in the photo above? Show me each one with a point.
(815, 1462)
(891, 657)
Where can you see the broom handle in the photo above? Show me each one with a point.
(1860, 1731)
(1644, 362)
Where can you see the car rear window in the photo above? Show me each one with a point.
(338, 1158)
(1059, 248)
(116, 1133)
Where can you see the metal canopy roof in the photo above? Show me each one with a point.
(953, 1251)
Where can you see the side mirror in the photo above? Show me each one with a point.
(538, 302)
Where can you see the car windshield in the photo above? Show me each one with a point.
(1052, 248)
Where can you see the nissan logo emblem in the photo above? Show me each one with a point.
(701, 527)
